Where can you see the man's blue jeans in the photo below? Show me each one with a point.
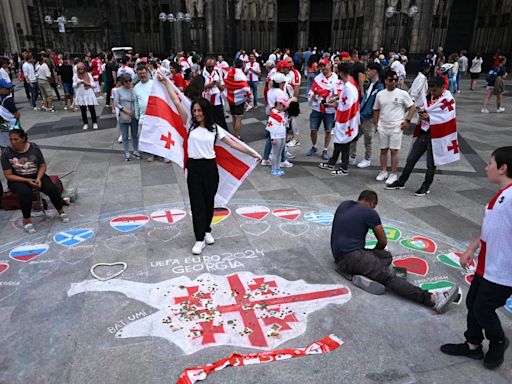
(254, 89)
(34, 91)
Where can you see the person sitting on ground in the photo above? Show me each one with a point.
(25, 170)
(369, 268)
(492, 283)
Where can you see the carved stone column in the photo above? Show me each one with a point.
(422, 28)
(304, 6)
(374, 23)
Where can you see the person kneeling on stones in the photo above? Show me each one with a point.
(369, 269)
(203, 175)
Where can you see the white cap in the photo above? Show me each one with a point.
(279, 78)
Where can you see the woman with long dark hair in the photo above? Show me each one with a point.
(203, 175)
(25, 170)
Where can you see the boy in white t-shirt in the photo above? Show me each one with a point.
(393, 111)
(276, 126)
(492, 282)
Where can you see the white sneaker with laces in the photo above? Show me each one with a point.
(198, 247)
(120, 139)
(352, 160)
(85, 127)
(484, 110)
(209, 239)
(391, 179)
(500, 110)
(383, 175)
(266, 163)
(289, 155)
(286, 164)
(95, 126)
(364, 164)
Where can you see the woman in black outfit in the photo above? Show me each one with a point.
(25, 170)
(203, 175)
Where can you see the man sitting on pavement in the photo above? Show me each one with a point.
(369, 268)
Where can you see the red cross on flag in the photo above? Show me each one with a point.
(323, 88)
(238, 89)
(347, 115)
(443, 129)
(165, 134)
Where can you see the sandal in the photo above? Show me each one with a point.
(29, 228)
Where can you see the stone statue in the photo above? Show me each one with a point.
(195, 8)
(392, 3)
(507, 6)
(263, 10)
(350, 9)
(253, 9)
(271, 9)
(303, 9)
(238, 9)
(337, 9)
(344, 9)
(360, 9)
(404, 5)
(245, 10)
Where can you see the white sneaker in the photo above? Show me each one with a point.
(35, 109)
(95, 126)
(120, 139)
(286, 164)
(85, 127)
(500, 109)
(198, 247)
(391, 179)
(293, 143)
(266, 163)
(352, 160)
(65, 108)
(364, 164)
(289, 155)
(209, 239)
(383, 175)
(484, 110)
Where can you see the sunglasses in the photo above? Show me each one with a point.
(392, 80)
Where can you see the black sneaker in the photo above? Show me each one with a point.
(339, 171)
(495, 355)
(422, 191)
(326, 166)
(463, 350)
(396, 185)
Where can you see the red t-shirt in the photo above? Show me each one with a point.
(179, 81)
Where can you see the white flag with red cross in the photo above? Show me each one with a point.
(165, 134)
(238, 90)
(443, 129)
(347, 115)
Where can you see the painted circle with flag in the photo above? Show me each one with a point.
(287, 213)
(73, 237)
(254, 212)
(129, 223)
(220, 214)
(324, 218)
(168, 216)
(29, 252)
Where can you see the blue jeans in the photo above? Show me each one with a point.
(316, 118)
(34, 91)
(459, 76)
(125, 128)
(254, 89)
(268, 148)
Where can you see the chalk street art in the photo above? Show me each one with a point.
(241, 309)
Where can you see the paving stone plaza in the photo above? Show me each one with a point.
(58, 324)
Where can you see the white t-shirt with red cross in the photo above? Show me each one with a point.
(251, 76)
(213, 94)
(495, 258)
(323, 88)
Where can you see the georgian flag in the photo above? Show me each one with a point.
(238, 90)
(165, 134)
(324, 88)
(347, 114)
(443, 129)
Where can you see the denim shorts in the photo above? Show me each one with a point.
(316, 118)
(68, 89)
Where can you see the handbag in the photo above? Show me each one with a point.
(124, 117)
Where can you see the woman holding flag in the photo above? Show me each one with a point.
(203, 174)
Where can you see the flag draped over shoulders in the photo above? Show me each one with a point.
(346, 127)
(238, 90)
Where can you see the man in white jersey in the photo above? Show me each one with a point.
(213, 88)
(492, 282)
(253, 71)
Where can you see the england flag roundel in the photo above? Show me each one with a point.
(168, 216)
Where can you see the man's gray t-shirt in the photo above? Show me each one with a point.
(351, 223)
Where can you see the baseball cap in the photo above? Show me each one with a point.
(283, 100)
(5, 84)
(324, 61)
(279, 78)
(344, 54)
(283, 64)
(144, 60)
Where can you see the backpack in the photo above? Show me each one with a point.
(491, 76)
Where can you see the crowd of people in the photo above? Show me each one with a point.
(353, 94)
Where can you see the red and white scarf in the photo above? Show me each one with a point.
(323, 88)
(213, 95)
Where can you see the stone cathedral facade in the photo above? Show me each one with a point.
(223, 26)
